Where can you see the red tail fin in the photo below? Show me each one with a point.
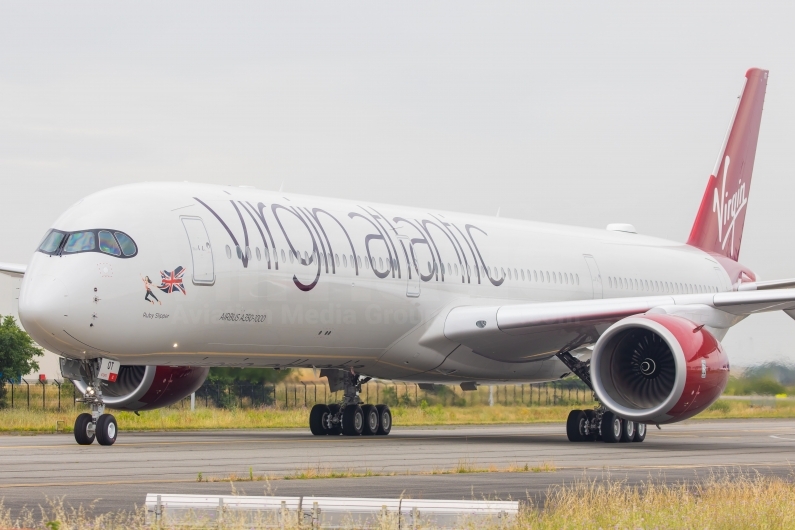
(719, 224)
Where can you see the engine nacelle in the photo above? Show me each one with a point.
(142, 387)
(658, 368)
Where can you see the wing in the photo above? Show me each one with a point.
(13, 269)
(524, 332)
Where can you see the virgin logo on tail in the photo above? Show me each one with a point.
(728, 210)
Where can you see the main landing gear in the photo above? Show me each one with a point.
(351, 417)
(599, 423)
(97, 425)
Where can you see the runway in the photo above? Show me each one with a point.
(33, 468)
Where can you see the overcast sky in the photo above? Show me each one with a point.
(576, 113)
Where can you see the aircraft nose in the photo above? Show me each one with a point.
(44, 309)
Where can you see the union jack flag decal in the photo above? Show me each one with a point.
(172, 281)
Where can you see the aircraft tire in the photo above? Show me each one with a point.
(371, 420)
(640, 432)
(574, 426)
(628, 428)
(384, 419)
(352, 420)
(81, 429)
(107, 429)
(611, 428)
(316, 416)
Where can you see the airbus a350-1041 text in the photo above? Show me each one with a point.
(140, 301)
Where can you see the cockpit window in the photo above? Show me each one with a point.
(80, 242)
(107, 243)
(127, 244)
(52, 241)
(111, 242)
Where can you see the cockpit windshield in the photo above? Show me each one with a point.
(111, 242)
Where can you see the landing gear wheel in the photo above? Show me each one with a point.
(336, 428)
(352, 420)
(317, 419)
(84, 430)
(371, 422)
(594, 435)
(384, 419)
(628, 428)
(640, 432)
(575, 426)
(106, 429)
(611, 427)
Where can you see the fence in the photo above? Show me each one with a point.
(53, 395)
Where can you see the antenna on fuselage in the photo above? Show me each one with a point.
(281, 187)
(498, 211)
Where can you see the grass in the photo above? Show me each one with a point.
(174, 419)
(731, 501)
(464, 466)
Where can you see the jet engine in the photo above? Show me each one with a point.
(658, 368)
(141, 387)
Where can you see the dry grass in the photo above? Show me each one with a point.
(732, 501)
(464, 466)
(174, 419)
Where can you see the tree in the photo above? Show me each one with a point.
(17, 351)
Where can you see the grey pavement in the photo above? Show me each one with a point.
(33, 468)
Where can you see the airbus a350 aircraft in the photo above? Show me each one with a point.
(141, 288)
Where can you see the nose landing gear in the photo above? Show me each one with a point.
(599, 423)
(96, 425)
(351, 417)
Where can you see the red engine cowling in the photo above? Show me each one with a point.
(149, 387)
(658, 368)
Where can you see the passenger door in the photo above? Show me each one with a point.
(596, 277)
(201, 251)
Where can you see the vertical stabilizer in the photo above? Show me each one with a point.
(719, 224)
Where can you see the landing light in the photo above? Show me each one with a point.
(175, 344)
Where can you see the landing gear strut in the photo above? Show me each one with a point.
(351, 416)
(97, 425)
(599, 423)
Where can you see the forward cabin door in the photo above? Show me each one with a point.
(201, 252)
(596, 277)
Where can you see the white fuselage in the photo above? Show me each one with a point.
(282, 280)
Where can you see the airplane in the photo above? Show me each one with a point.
(141, 288)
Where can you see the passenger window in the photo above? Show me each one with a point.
(51, 241)
(107, 243)
(509, 274)
(522, 274)
(344, 260)
(80, 242)
(259, 256)
(284, 259)
(127, 244)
